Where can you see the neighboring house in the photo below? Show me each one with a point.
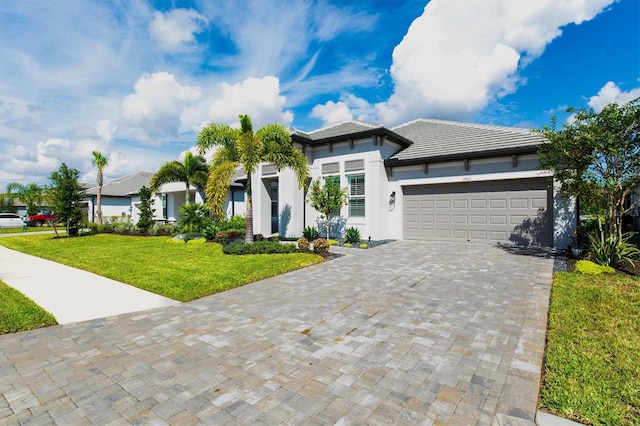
(120, 198)
(423, 180)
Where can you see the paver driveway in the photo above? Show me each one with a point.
(408, 332)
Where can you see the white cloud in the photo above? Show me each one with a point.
(156, 105)
(174, 31)
(260, 98)
(610, 93)
(349, 107)
(332, 112)
(460, 56)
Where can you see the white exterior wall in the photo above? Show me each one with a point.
(176, 198)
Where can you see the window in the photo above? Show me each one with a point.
(356, 196)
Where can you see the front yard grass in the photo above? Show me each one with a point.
(592, 360)
(20, 313)
(181, 272)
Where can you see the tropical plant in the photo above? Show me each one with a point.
(194, 217)
(66, 197)
(613, 251)
(352, 235)
(270, 144)
(310, 233)
(145, 220)
(100, 162)
(192, 171)
(327, 198)
(31, 194)
(590, 268)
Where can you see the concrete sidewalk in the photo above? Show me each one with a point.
(70, 294)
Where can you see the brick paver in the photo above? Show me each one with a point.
(407, 333)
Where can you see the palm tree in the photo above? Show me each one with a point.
(271, 144)
(192, 171)
(100, 162)
(31, 194)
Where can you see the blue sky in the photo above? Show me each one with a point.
(138, 79)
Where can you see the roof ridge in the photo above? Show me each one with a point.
(521, 130)
(360, 122)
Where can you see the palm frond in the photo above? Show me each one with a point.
(220, 177)
(172, 171)
(216, 134)
(250, 148)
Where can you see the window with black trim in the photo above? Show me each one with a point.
(356, 196)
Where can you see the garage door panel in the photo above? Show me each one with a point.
(507, 211)
(498, 203)
(478, 219)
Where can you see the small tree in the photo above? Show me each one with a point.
(145, 222)
(7, 203)
(327, 199)
(66, 197)
(597, 159)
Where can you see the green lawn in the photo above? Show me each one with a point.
(29, 229)
(176, 270)
(592, 360)
(20, 313)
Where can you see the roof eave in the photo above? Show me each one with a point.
(378, 131)
(503, 152)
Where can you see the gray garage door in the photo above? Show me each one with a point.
(512, 211)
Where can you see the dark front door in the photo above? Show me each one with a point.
(274, 207)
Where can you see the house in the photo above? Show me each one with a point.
(120, 198)
(423, 180)
(121, 201)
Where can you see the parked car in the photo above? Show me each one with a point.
(11, 220)
(40, 218)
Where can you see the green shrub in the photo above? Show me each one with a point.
(236, 222)
(259, 247)
(197, 240)
(364, 246)
(210, 231)
(303, 244)
(164, 229)
(333, 242)
(352, 235)
(224, 237)
(347, 244)
(310, 233)
(590, 268)
(320, 245)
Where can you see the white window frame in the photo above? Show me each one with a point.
(360, 196)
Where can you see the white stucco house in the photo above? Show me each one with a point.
(423, 180)
(121, 201)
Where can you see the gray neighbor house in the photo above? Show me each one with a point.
(422, 180)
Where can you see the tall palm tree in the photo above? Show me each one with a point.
(271, 144)
(192, 171)
(31, 194)
(100, 162)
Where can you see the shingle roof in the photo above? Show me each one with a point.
(440, 138)
(344, 128)
(124, 186)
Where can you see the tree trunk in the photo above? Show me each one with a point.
(248, 238)
(99, 202)
(188, 195)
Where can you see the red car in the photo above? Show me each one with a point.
(40, 218)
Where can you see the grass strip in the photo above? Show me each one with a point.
(19, 313)
(591, 366)
(180, 271)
